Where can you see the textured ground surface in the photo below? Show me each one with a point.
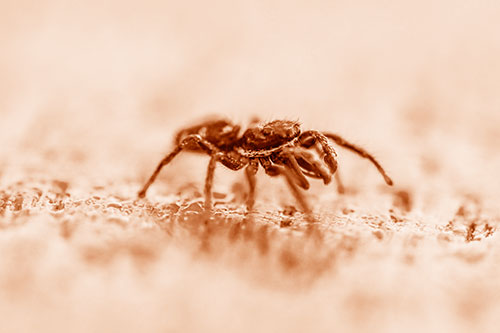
(90, 96)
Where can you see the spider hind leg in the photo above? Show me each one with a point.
(250, 172)
(185, 144)
(209, 180)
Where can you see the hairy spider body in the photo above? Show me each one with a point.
(279, 146)
(272, 135)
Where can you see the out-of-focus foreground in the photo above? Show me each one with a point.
(91, 94)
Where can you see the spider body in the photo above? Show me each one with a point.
(272, 135)
(219, 132)
(279, 146)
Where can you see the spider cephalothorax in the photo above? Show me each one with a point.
(269, 135)
(279, 146)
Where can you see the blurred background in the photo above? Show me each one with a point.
(97, 89)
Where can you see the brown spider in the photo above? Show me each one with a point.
(279, 146)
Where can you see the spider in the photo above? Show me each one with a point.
(279, 146)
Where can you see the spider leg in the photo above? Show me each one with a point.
(308, 138)
(290, 162)
(315, 169)
(361, 152)
(340, 184)
(311, 164)
(250, 172)
(205, 145)
(209, 180)
(275, 170)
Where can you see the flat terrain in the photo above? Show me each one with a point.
(91, 96)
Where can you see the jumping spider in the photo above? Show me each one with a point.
(279, 146)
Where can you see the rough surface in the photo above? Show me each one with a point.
(91, 95)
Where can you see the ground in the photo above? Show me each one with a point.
(91, 97)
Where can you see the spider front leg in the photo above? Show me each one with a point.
(311, 164)
(361, 152)
(340, 184)
(274, 171)
(310, 138)
(312, 167)
(315, 169)
(194, 138)
(288, 160)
